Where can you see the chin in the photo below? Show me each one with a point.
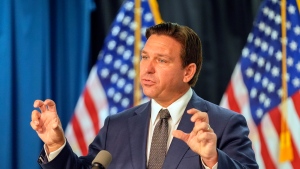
(148, 93)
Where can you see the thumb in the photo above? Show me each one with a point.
(181, 135)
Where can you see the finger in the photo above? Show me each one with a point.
(35, 117)
(35, 126)
(201, 126)
(198, 115)
(39, 104)
(181, 135)
(51, 105)
(205, 137)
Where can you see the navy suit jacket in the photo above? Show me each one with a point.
(125, 136)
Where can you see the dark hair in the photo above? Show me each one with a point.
(191, 51)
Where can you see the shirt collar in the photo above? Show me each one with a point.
(176, 109)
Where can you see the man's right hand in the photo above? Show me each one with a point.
(47, 124)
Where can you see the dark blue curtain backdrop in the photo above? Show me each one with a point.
(44, 53)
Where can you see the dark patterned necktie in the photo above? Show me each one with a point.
(159, 141)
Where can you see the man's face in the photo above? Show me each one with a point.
(161, 74)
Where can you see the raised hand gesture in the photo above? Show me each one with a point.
(47, 124)
(202, 139)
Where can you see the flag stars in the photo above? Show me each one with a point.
(268, 30)
(265, 10)
(133, 26)
(274, 35)
(271, 87)
(293, 45)
(279, 92)
(111, 45)
(104, 73)
(275, 71)
(261, 62)
(250, 38)
(120, 17)
(124, 68)
(129, 6)
(262, 97)
(277, 19)
(265, 82)
(117, 64)
(267, 103)
(113, 110)
(148, 17)
(127, 54)
(126, 21)
(291, 9)
(264, 46)
(125, 102)
(268, 66)
(108, 58)
(245, 52)
(297, 30)
(121, 83)
(115, 30)
(128, 88)
(111, 92)
(261, 26)
(271, 50)
(249, 72)
(253, 57)
(296, 82)
(143, 30)
(288, 25)
(278, 55)
(123, 35)
(290, 61)
(257, 77)
(131, 73)
(115, 60)
(259, 113)
(120, 49)
(253, 93)
(114, 78)
(298, 66)
(117, 97)
(257, 41)
(271, 14)
(130, 40)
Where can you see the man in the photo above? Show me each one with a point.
(201, 134)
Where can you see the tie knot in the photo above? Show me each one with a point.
(164, 114)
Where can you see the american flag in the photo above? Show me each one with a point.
(256, 89)
(110, 87)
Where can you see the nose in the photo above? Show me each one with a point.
(148, 66)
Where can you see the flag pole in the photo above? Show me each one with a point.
(137, 47)
(286, 151)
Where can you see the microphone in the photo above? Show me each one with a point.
(102, 160)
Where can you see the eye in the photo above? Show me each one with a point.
(144, 57)
(162, 61)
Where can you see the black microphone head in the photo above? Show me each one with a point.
(103, 157)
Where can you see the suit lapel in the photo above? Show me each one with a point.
(138, 135)
(178, 148)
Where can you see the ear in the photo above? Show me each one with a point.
(189, 72)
